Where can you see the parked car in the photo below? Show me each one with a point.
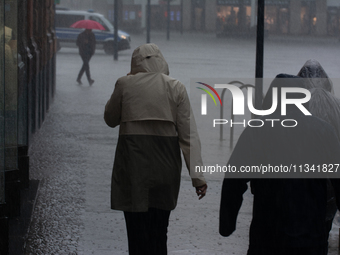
(67, 36)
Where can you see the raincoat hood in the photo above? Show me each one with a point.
(316, 75)
(148, 59)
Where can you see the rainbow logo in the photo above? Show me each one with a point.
(208, 92)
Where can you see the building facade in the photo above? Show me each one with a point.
(298, 17)
(227, 17)
(27, 86)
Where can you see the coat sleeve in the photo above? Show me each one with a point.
(188, 137)
(113, 107)
(233, 189)
(231, 201)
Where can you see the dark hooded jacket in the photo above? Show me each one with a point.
(326, 106)
(316, 76)
(286, 212)
(154, 114)
(86, 41)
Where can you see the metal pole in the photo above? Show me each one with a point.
(115, 20)
(259, 55)
(144, 14)
(181, 17)
(168, 22)
(148, 17)
(252, 13)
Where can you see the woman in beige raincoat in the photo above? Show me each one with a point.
(156, 123)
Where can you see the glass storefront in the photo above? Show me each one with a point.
(234, 17)
(2, 104)
(11, 87)
(8, 92)
(276, 19)
(229, 18)
(27, 79)
(333, 21)
(308, 18)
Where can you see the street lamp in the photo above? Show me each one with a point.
(148, 14)
(168, 22)
(259, 55)
(115, 20)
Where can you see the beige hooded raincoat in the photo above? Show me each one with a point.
(154, 114)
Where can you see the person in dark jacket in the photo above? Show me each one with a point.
(288, 214)
(316, 76)
(324, 105)
(86, 42)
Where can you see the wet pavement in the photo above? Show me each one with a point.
(72, 154)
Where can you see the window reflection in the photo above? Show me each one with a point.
(2, 104)
(10, 100)
(10, 87)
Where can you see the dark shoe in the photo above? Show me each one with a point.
(91, 82)
(79, 81)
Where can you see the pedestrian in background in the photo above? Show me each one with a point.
(156, 124)
(86, 42)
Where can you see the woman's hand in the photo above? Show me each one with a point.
(201, 191)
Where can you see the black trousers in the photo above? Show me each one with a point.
(318, 250)
(86, 67)
(147, 232)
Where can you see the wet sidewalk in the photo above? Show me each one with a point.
(72, 155)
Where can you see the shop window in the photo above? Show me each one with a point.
(233, 20)
(276, 19)
(227, 18)
(308, 18)
(333, 22)
(283, 21)
(270, 19)
(198, 15)
(178, 16)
